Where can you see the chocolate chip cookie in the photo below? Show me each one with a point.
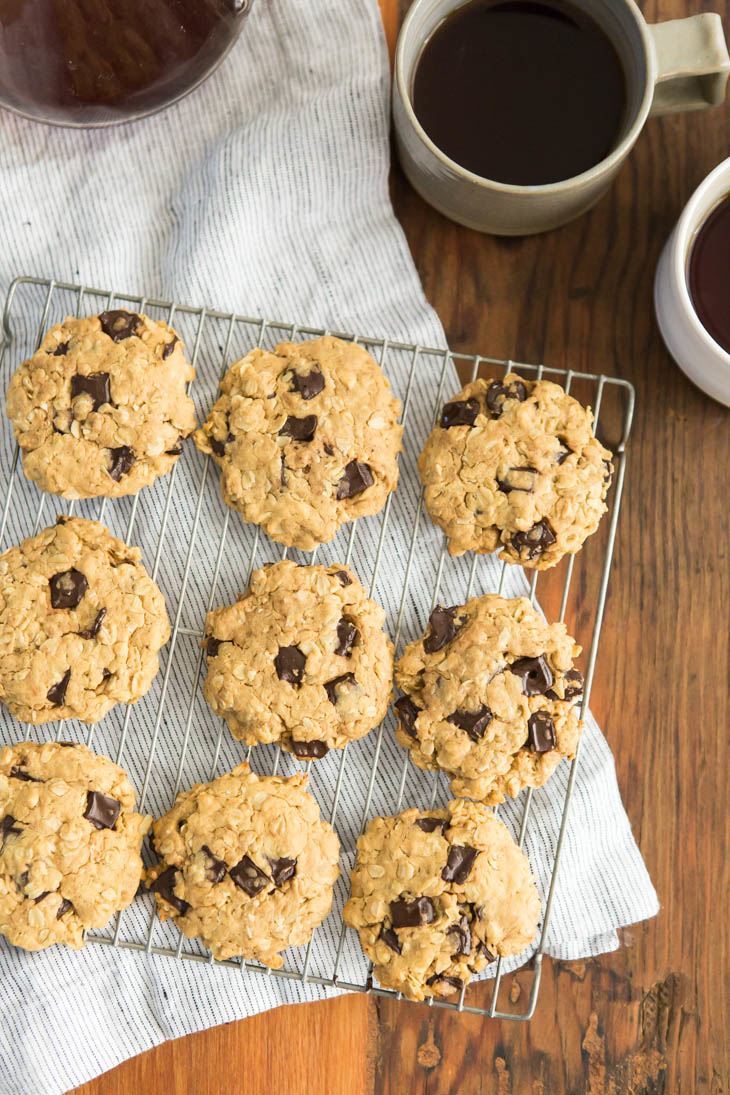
(514, 467)
(69, 843)
(437, 896)
(101, 407)
(81, 624)
(490, 697)
(306, 438)
(301, 659)
(245, 864)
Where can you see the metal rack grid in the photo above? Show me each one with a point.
(31, 305)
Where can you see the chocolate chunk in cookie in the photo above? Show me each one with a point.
(164, 885)
(290, 663)
(93, 631)
(356, 478)
(499, 394)
(96, 386)
(473, 723)
(101, 810)
(411, 913)
(541, 732)
(462, 413)
(308, 750)
(248, 877)
(407, 713)
(67, 588)
(459, 864)
(347, 636)
(535, 674)
(443, 627)
(120, 462)
(300, 429)
(120, 324)
(535, 541)
(308, 385)
(56, 694)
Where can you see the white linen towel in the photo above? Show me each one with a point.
(264, 192)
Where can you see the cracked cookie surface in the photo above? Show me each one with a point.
(301, 659)
(514, 467)
(438, 895)
(100, 409)
(81, 624)
(306, 438)
(245, 864)
(69, 843)
(490, 697)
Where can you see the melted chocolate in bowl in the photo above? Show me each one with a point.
(95, 62)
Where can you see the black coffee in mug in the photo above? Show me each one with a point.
(709, 274)
(521, 91)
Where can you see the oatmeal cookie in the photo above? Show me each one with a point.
(101, 407)
(490, 697)
(300, 659)
(437, 896)
(69, 843)
(306, 438)
(245, 864)
(514, 467)
(81, 624)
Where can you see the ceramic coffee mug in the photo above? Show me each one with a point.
(702, 359)
(669, 67)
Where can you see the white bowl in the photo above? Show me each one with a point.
(702, 359)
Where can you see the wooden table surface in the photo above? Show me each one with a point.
(652, 1017)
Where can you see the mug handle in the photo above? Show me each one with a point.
(692, 63)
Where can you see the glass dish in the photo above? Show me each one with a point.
(102, 62)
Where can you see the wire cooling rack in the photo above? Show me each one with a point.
(171, 739)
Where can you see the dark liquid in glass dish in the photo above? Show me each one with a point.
(709, 274)
(94, 62)
(520, 91)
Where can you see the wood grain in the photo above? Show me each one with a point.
(651, 1018)
(261, 1056)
